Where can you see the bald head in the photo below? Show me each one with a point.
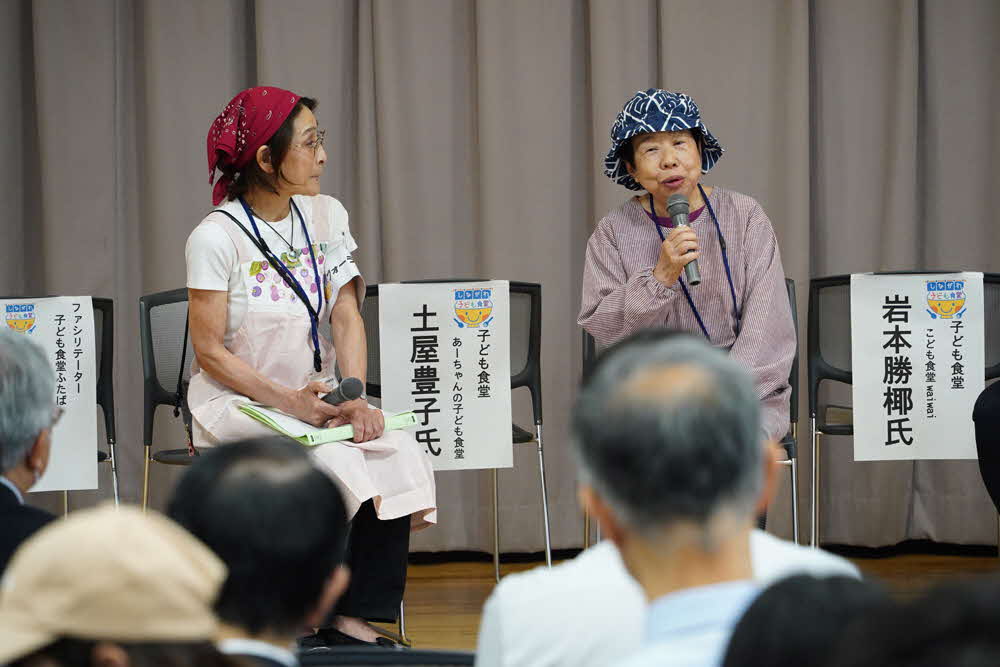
(667, 429)
(662, 383)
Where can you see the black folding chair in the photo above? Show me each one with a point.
(791, 441)
(589, 351)
(829, 355)
(525, 368)
(104, 342)
(166, 369)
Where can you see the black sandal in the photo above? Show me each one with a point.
(328, 637)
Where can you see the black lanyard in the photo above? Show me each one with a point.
(725, 262)
(289, 276)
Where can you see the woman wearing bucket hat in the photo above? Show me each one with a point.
(633, 274)
(267, 270)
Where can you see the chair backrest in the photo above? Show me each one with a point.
(829, 335)
(525, 338)
(991, 326)
(162, 322)
(362, 655)
(828, 339)
(793, 376)
(104, 343)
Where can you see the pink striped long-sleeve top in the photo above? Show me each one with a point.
(621, 296)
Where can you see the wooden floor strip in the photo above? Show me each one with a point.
(444, 601)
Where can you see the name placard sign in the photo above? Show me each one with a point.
(446, 356)
(918, 364)
(64, 327)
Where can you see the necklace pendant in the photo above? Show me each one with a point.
(293, 253)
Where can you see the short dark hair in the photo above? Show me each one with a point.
(72, 651)
(275, 520)
(627, 150)
(954, 624)
(252, 177)
(798, 619)
(665, 453)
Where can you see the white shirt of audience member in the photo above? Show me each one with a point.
(590, 612)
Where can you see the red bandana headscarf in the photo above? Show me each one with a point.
(247, 123)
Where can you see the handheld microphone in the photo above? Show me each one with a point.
(677, 209)
(348, 390)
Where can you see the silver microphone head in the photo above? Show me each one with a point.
(677, 204)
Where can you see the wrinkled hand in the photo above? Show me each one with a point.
(368, 422)
(307, 406)
(677, 250)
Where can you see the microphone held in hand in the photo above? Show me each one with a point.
(677, 209)
(348, 390)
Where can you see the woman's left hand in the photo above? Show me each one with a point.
(368, 422)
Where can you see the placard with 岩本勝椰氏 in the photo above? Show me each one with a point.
(445, 355)
(918, 364)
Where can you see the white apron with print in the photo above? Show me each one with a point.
(275, 340)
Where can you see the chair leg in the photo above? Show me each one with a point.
(145, 479)
(402, 623)
(114, 469)
(794, 470)
(545, 496)
(496, 526)
(65, 503)
(586, 530)
(814, 504)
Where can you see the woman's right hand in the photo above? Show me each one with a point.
(675, 254)
(307, 406)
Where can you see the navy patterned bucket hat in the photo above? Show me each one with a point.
(657, 111)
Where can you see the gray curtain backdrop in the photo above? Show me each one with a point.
(465, 138)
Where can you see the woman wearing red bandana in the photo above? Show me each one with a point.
(267, 270)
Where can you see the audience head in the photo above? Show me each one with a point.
(954, 624)
(278, 523)
(110, 586)
(797, 620)
(27, 408)
(667, 433)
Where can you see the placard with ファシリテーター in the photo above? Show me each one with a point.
(445, 355)
(64, 328)
(918, 363)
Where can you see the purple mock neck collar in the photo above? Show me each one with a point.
(667, 221)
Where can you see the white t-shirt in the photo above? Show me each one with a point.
(589, 612)
(213, 260)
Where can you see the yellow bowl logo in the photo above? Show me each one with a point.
(946, 298)
(20, 317)
(473, 307)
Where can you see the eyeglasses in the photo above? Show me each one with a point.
(313, 144)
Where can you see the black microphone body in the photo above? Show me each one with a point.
(348, 390)
(678, 209)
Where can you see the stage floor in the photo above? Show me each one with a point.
(444, 601)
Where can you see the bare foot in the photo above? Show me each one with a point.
(355, 627)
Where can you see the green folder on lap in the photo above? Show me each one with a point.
(310, 435)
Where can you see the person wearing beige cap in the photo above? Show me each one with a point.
(111, 587)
